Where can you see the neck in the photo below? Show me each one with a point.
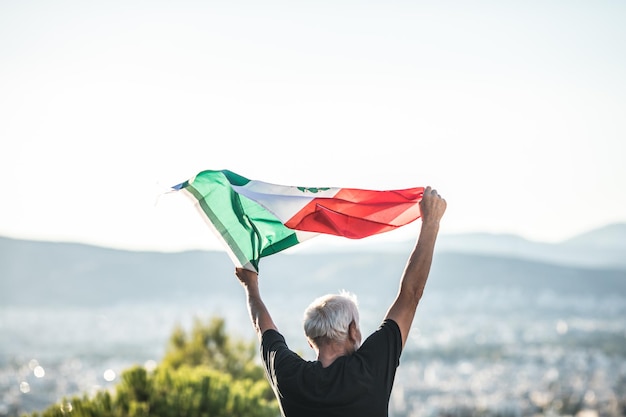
(328, 353)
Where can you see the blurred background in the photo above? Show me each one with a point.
(507, 326)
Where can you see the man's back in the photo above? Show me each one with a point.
(355, 385)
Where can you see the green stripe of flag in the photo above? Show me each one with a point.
(250, 231)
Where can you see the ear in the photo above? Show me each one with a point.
(316, 349)
(353, 332)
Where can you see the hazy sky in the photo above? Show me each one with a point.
(513, 110)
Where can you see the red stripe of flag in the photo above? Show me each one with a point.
(356, 214)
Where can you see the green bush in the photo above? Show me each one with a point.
(209, 345)
(203, 374)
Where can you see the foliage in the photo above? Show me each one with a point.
(209, 345)
(203, 374)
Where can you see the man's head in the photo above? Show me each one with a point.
(333, 318)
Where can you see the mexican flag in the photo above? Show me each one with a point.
(255, 219)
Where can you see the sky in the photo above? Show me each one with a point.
(512, 110)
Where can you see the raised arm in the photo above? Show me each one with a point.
(416, 271)
(261, 319)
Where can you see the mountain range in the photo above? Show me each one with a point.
(604, 247)
(57, 273)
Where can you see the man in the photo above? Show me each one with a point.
(348, 378)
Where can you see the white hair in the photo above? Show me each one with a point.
(329, 317)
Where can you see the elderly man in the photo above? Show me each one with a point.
(349, 378)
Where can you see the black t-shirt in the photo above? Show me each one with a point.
(355, 385)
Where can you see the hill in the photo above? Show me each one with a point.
(45, 273)
(604, 247)
(601, 248)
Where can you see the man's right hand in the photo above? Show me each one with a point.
(432, 206)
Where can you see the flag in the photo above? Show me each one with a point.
(254, 219)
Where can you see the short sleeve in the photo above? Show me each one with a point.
(382, 350)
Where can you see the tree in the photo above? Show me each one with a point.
(209, 345)
(203, 374)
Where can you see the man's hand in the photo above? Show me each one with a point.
(247, 277)
(432, 206)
